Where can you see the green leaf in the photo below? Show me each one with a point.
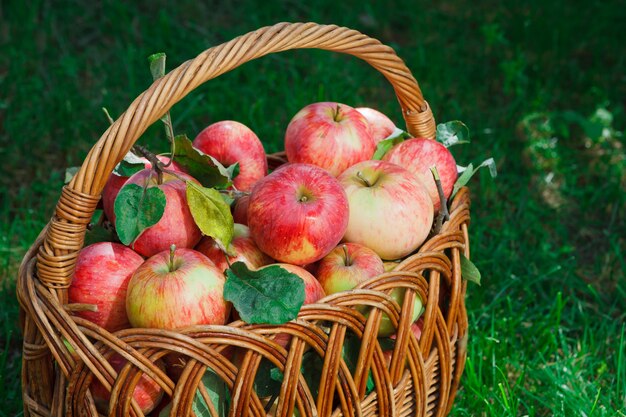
(452, 133)
(385, 145)
(470, 171)
(211, 213)
(218, 394)
(157, 65)
(232, 170)
(311, 369)
(130, 165)
(386, 343)
(136, 209)
(202, 167)
(271, 295)
(350, 353)
(469, 271)
(268, 379)
(98, 231)
(69, 174)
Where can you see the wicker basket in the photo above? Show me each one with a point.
(422, 377)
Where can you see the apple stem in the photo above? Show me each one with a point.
(360, 176)
(171, 262)
(443, 209)
(347, 255)
(337, 113)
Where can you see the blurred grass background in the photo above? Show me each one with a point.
(541, 85)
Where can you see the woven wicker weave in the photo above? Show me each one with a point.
(422, 377)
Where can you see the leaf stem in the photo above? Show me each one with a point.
(109, 118)
(157, 69)
(443, 209)
(156, 164)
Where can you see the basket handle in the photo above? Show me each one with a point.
(65, 233)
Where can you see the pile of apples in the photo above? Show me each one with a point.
(332, 215)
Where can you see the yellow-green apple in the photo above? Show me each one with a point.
(390, 210)
(240, 210)
(380, 125)
(346, 266)
(386, 328)
(242, 245)
(416, 329)
(330, 135)
(177, 288)
(148, 393)
(230, 142)
(390, 265)
(116, 182)
(177, 226)
(101, 278)
(298, 213)
(418, 155)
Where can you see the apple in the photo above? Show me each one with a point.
(390, 210)
(390, 265)
(386, 328)
(177, 288)
(346, 266)
(298, 213)
(381, 126)
(243, 245)
(101, 278)
(418, 156)
(416, 329)
(177, 226)
(230, 142)
(330, 135)
(240, 210)
(115, 183)
(147, 392)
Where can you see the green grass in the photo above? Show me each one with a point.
(547, 324)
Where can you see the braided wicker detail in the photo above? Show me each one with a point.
(418, 377)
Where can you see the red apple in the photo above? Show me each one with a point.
(346, 266)
(297, 214)
(147, 392)
(330, 135)
(116, 182)
(418, 156)
(240, 210)
(390, 210)
(177, 226)
(101, 278)
(243, 245)
(381, 126)
(229, 142)
(177, 288)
